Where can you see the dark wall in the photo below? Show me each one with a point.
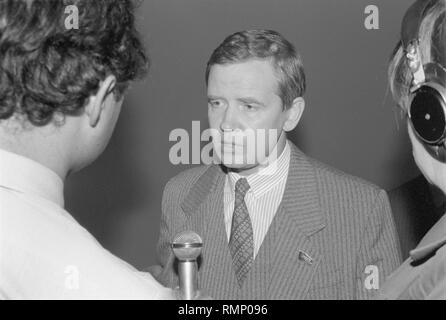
(350, 121)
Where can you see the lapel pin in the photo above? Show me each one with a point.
(303, 256)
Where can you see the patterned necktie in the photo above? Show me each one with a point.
(241, 243)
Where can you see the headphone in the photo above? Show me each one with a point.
(427, 95)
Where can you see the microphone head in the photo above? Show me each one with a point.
(187, 246)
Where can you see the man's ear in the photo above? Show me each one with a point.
(97, 102)
(294, 114)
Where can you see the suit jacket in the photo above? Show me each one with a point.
(327, 230)
(416, 206)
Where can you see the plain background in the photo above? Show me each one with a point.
(350, 121)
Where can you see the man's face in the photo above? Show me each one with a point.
(97, 138)
(243, 101)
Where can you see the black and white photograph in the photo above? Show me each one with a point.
(223, 153)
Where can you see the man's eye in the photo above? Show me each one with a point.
(215, 104)
(250, 107)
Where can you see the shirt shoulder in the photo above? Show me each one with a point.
(346, 190)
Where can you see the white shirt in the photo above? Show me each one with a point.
(263, 198)
(46, 254)
(416, 279)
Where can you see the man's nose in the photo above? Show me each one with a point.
(230, 119)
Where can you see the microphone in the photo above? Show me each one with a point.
(187, 248)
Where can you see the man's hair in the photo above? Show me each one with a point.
(45, 68)
(399, 73)
(265, 45)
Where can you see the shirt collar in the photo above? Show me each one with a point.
(268, 177)
(27, 176)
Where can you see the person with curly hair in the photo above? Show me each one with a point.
(61, 92)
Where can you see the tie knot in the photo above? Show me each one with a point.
(242, 187)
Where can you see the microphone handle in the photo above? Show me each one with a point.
(187, 272)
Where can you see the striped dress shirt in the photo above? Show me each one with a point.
(263, 198)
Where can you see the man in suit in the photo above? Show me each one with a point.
(283, 226)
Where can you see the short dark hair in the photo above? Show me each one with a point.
(46, 68)
(265, 44)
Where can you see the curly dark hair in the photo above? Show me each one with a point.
(46, 68)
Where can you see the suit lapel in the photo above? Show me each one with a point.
(288, 259)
